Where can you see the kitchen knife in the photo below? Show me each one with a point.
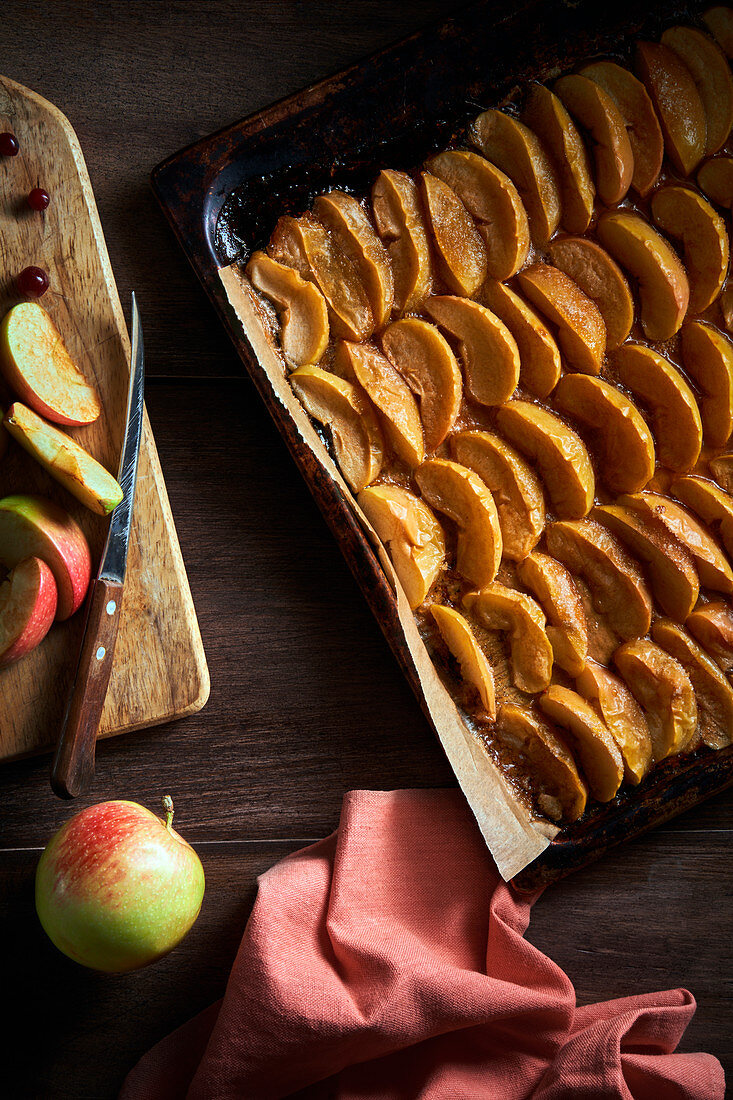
(73, 765)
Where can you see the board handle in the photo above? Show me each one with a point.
(73, 765)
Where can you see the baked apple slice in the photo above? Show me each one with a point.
(708, 501)
(715, 178)
(600, 117)
(713, 693)
(558, 452)
(661, 686)
(546, 115)
(712, 627)
(595, 748)
(462, 496)
(486, 347)
(343, 408)
(707, 356)
(617, 707)
(557, 789)
(458, 246)
(493, 201)
(539, 355)
(399, 220)
(516, 489)
(411, 535)
(27, 609)
(664, 290)
(581, 332)
(555, 591)
(616, 427)
(721, 467)
(677, 103)
(709, 69)
(424, 359)
(520, 617)
(300, 306)
(685, 215)
(719, 21)
(475, 668)
(600, 279)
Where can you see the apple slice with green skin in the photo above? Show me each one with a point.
(598, 753)
(709, 69)
(581, 332)
(683, 214)
(623, 716)
(708, 501)
(460, 251)
(600, 279)
(719, 21)
(663, 689)
(546, 115)
(539, 355)
(65, 460)
(27, 609)
(399, 220)
(462, 496)
(411, 534)
(712, 627)
(300, 306)
(677, 102)
(522, 619)
(425, 360)
(715, 178)
(36, 364)
(475, 668)
(554, 589)
(486, 346)
(599, 116)
(557, 788)
(713, 693)
(707, 355)
(31, 526)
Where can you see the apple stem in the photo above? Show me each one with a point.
(168, 807)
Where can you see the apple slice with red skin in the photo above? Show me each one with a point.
(31, 526)
(27, 609)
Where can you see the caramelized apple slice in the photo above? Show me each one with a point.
(558, 790)
(538, 353)
(617, 707)
(601, 279)
(594, 746)
(599, 116)
(663, 287)
(712, 627)
(719, 22)
(306, 245)
(677, 103)
(349, 223)
(625, 444)
(514, 149)
(459, 248)
(715, 178)
(675, 415)
(721, 467)
(411, 535)
(487, 348)
(709, 502)
(707, 355)
(390, 395)
(517, 491)
(492, 199)
(708, 66)
(661, 686)
(508, 611)
(713, 693)
(614, 579)
(475, 669)
(399, 221)
(545, 114)
(463, 497)
(554, 589)
(424, 359)
(300, 306)
(581, 331)
(343, 408)
(640, 119)
(559, 453)
(681, 213)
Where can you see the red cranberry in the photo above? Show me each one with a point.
(38, 199)
(8, 145)
(32, 282)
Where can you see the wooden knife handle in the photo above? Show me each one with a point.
(73, 765)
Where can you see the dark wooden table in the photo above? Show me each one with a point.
(307, 701)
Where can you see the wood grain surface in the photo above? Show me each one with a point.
(307, 701)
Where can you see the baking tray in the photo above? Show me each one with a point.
(223, 195)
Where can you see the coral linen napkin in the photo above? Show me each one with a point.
(389, 961)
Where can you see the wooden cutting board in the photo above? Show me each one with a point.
(160, 670)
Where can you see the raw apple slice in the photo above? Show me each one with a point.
(663, 287)
(36, 364)
(492, 199)
(709, 502)
(33, 527)
(558, 452)
(389, 393)
(581, 332)
(625, 444)
(640, 119)
(27, 609)
(598, 753)
(674, 412)
(461, 494)
(558, 790)
(300, 306)
(399, 221)
(713, 693)
(306, 245)
(487, 348)
(555, 591)
(349, 223)
(719, 22)
(343, 407)
(709, 68)
(623, 716)
(424, 359)
(459, 249)
(677, 103)
(661, 686)
(600, 279)
(411, 535)
(515, 150)
(615, 581)
(685, 215)
(721, 467)
(599, 116)
(475, 669)
(65, 460)
(539, 355)
(518, 615)
(545, 114)
(715, 178)
(707, 355)
(516, 489)
(712, 627)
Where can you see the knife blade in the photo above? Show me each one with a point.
(73, 765)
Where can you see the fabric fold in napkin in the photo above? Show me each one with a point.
(388, 962)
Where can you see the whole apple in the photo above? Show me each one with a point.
(117, 887)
